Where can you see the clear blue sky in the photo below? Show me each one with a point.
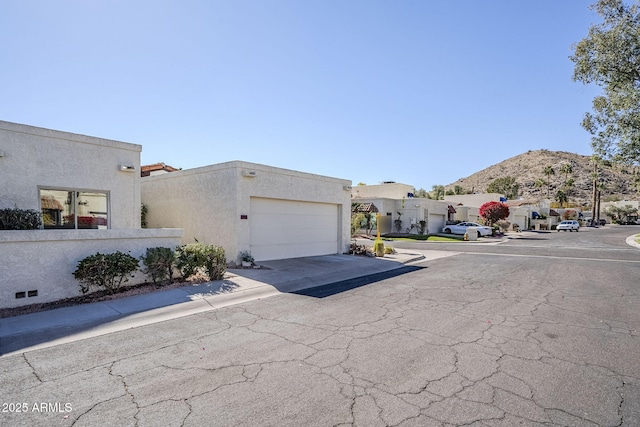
(419, 92)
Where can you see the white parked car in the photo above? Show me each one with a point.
(568, 225)
(461, 228)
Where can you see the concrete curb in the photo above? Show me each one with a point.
(631, 241)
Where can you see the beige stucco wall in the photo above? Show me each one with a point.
(413, 208)
(473, 200)
(389, 191)
(44, 260)
(36, 158)
(208, 202)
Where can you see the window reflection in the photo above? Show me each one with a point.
(73, 209)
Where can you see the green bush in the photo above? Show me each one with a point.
(144, 210)
(19, 219)
(107, 271)
(158, 264)
(197, 256)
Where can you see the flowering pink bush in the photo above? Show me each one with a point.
(494, 211)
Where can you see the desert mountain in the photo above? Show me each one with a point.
(619, 182)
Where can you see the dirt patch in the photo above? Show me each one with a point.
(98, 296)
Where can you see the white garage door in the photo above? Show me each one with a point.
(290, 229)
(436, 223)
(521, 221)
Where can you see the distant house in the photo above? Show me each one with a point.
(156, 169)
(87, 190)
(400, 211)
(274, 213)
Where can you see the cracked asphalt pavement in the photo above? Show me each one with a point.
(540, 330)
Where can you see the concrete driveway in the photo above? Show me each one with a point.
(528, 332)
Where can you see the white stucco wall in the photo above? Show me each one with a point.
(473, 200)
(44, 260)
(420, 209)
(389, 191)
(208, 202)
(36, 158)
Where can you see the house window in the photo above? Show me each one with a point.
(74, 209)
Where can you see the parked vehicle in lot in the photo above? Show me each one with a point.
(568, 225)
(461, 228)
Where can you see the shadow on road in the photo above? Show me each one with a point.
(532, 238)
(346, 285)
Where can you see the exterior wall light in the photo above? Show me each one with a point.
(126, 168)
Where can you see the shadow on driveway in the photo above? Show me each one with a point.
(346, 285)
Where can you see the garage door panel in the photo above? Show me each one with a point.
(436, 223)
(270, 236)
(287, 229)
(271, 220)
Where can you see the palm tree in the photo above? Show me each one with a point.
(567, 169)
(548, 171)
(540, 183)
(595, 175)
(561, 197)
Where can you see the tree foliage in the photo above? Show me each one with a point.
(620, 213)
(610, 57)
(458, 190)
(493, 212)
(506, 185)
(421, 193)
(437, 192)
(561, 197)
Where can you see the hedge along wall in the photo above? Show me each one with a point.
(44, 260)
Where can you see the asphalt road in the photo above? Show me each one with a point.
(540, 330)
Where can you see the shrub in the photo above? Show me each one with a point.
(356, 222)
(494, 211)
(378, 247)
(19, 219)
(502, 224)
(197, 256)
(106, 271)
(246, 256)
(423, 226)
(356, 249)
(144, 210)
(158, 264)
(389, 250)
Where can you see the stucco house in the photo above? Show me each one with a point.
(468, 208)
(395, 201)
(271, 212)
(605, 206)
(88, 192)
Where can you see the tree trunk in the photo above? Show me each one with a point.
(594, 202)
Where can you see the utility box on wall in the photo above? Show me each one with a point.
(384, 224)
